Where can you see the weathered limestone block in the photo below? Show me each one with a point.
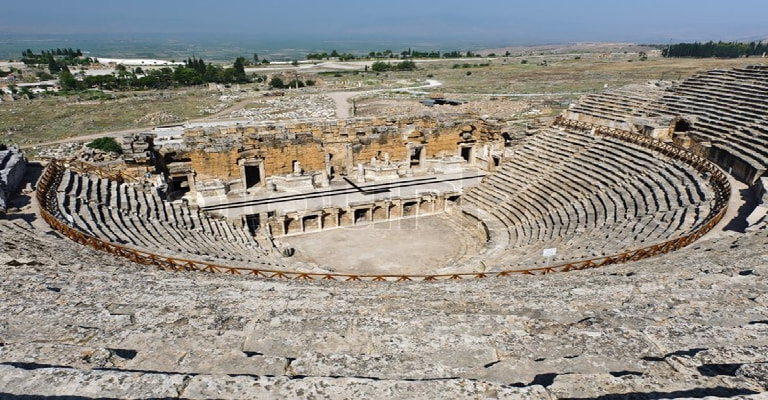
(85, 383)
(13, 165)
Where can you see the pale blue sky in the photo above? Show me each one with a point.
(513, 22)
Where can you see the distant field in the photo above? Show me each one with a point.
(57, 117)
(561, 74)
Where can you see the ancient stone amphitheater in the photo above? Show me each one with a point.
(651, 197)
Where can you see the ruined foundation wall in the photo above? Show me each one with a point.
(215, 152)
(13, 165)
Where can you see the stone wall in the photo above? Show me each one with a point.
(12, 168)
(318, 146)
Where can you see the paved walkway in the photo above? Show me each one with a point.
(342, 99)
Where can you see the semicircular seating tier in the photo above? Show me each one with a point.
(586, 195)
(724, 113)
(121, 214)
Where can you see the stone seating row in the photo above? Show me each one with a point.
(731, 99)
(603, 241)
(726, 107)
(120, 214)
(571, 189)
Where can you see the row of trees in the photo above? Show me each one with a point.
(405, 54)
(197, 71)
(334, 54)
(56, 61)
(193, 72)
(381, 66)
(716, 49)
(58, 52)
(278, 83)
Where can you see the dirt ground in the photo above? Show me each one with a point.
(382, 248)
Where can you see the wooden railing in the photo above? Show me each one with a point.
(46, 195)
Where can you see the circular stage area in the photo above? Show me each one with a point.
(410, 246)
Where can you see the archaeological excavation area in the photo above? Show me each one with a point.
(609, 253)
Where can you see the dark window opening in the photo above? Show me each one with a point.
(496, 161)
(409, 208)
(415, 156)
(253, 222)
(682, 126)
(179, 185)
(507, 139)
(252, 175)
(360, 215)
(466, 153)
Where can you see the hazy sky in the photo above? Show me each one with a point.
(497, 21)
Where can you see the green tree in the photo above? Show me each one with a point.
(108, 144)
(239, 67)
(379, 66)
(26, 92)
(67, 81)
(276, 83)
(53, 66)
(406, 65)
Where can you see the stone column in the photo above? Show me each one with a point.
(360, 173)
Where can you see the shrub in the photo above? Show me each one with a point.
(379, 66)
(276, 83)
(107, 144)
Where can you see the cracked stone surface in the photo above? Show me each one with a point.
(75, 322)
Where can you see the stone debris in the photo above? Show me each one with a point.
(503, 109)
(77, 150)
(158, 118)
(61, 151)
(287, 108)
(97, 156)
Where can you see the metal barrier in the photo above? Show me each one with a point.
(50, 178)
